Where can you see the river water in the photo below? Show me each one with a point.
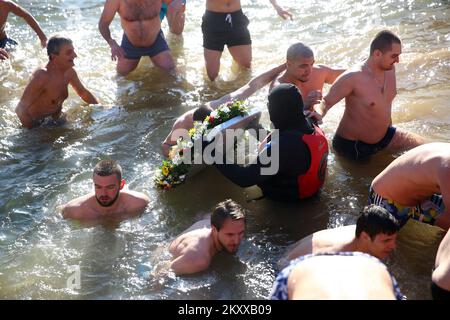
(44, 168)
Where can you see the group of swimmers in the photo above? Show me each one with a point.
(415, 185)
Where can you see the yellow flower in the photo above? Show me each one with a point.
(165, 171)
(192, 132)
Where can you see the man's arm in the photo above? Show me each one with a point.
(3, 54)
(189, 262)
(109, 11)
(250, 88)
(175, 16)
(281, 12)
(341, 88)
(21, 12)
(331, 74)
(84, 93)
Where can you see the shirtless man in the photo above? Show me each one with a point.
(224, 23)
(375, 233)
(193, 250)
(366, 126)
(48, 87)
(186, 120)
(307, 77)
(142, 34)
(417, 185)
(6, 7)
(440, 279)
(108, 201)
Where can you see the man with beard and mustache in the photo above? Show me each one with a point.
(193, 250)
(44, 95)
(305, 75)
(108, 200)
(369, 89)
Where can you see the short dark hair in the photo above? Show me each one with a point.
(201, 113)
(108, 167)
(383, 41)
(54, 45)
(375, 220)
(224, 210)
(298, 50)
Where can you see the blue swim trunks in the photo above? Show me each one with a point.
(355, 149)
(163, 11)
(7, 44)
(280, 286)
(132, 52)
(426, 212)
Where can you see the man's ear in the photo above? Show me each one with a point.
(365, 236)
(122, 184)
(377, 53)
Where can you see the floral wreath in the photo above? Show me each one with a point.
(172, 171)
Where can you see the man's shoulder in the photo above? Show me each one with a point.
(135, 198)
(76, 207)
(41, 74)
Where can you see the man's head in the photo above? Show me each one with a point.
(385, 49)
(201, 113)
(299, 61)
(61, 50)
(108, 182)
(286, 108)
(376, 230)
(228, 224)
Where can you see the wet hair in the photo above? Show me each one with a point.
(54, 45)
(298, 50)
(227, 209)
(108, 167)
(286, 108)
(383, 41)
(201, 113)
(375, 220)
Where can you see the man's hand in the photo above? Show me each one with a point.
(283, 13)
(117, 51)
(3, 54)
(43, 41)
(317, 118)
(314, 97)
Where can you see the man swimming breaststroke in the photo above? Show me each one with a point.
(48, 88)
(375, 233)
(142, 34)
(109, 200)
(302, 72)
(369, 89)
(194, 249)
(416, 185)
(186, 120)
(224, 23)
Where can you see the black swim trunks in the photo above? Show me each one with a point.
(357, 150)
(438, 293)
(132, 52)
(220, 29)
(7, 44)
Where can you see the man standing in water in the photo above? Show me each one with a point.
(142, 34)
(193, 250)
(224, 23)
(48, 88)
(307, 77)
(108, 201)
(366, 126)
(9, 6)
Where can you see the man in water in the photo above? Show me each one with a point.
(186, 120)
(109, 200)
(48, 88)
(224, 23)
(175, 15)
(142, 34)
(416, 185)
(375, 233)
(6, 7)
(193, 250)
(366, 126)
(307, 77)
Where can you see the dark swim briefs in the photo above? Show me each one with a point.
(220, 29)
(438, 293)
(134, 53)
(355, 149)
(7, 43)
